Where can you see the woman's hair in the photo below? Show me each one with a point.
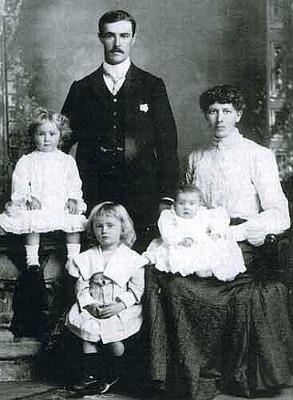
(116, 16)
(189, 188)
(108, 208)
(222, 94)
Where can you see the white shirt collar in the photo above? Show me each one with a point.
(117, 71)
(229, 141)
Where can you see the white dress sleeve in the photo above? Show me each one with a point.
(82, 285)
(74, 184)
(83, 293)
(135, 289)
(168, 227)
(21, 189)
(274, 217)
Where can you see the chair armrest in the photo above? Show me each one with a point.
(273, 238)
(278, 251)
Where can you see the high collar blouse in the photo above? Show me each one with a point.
(242, 176)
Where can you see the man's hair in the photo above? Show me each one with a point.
(116, 16)
(222, 94)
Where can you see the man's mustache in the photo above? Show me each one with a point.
(117, 50)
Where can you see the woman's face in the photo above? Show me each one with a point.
(222, 118)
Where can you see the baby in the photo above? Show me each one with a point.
(195, 239)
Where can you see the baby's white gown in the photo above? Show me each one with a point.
(52, 178)
(207, 256)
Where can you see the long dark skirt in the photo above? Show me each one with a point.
(205, 335)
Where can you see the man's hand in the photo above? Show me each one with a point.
(71, 205)
(186, 242)
(111, 310)
(33, 204)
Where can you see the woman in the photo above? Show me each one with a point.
(204, 334)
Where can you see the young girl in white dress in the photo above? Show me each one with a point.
(46, 191)
(110, 284)
(195, 239)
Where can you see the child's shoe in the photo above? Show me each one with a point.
(105, 386)
(89, 384)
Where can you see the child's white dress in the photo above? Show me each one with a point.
(123, 280)
(52, 178)
(211, 253)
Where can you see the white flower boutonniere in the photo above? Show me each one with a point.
(144, 107)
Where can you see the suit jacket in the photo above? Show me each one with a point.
(127, 143)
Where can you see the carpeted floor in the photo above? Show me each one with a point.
(40, 391)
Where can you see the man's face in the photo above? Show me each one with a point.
(117, 39)
(222, 118)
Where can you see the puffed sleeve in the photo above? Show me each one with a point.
(21, 184)
(74, 184)
(274, 217)
(135, 289)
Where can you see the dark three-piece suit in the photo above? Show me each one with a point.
(127, 143)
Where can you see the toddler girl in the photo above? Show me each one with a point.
(46, 196)
(46, 191)
(109, 289)
(195, 239)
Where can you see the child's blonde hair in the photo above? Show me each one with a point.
(108, 208)
(42, 115)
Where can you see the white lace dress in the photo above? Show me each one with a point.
(52, 178)
(212, 252)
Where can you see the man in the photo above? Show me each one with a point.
(124, 127)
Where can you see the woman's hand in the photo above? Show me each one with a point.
(33, 204)
(111, 310)
(72, 207)
(255, 235)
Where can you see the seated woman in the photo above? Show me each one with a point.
(206, 335)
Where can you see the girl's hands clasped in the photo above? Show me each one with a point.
(111, 309)
(104, 312)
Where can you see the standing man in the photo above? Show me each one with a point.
(124, 127)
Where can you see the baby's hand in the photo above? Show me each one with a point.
(186, 242)
(71, 205)
(111, 310)
(33, 204)
(93, 309)
(215, 236)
